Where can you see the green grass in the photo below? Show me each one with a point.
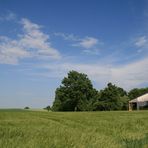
(38, 129)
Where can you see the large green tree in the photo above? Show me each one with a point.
(75, 94)
(112, 98)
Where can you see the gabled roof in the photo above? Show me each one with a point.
(142, 98)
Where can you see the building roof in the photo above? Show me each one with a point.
(142, 98)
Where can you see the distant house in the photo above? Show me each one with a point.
(141, 101)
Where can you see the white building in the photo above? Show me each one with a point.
(139, 102)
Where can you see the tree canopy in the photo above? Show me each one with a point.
(76, 93)
(111, 98)
(136, 92)
(48, 108)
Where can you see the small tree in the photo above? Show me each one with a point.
(26, 107)
(48, 108)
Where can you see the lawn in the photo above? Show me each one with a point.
(38, 129)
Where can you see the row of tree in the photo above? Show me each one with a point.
(76, 93)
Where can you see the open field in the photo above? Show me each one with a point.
(37, 129)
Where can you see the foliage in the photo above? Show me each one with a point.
(112, 98)
(48, 108)
(75, 94)
(136, 92)
(26, 107)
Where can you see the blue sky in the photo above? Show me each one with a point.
(40, 41)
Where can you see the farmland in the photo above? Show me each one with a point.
(38, 129)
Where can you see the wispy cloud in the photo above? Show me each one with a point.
(11, 52)
(131, 75)
(9, 16)
(35, 39)
(127, 75)
(141, 41)
(88, 44)
(32, 43)
(69, 37)
(92, 52)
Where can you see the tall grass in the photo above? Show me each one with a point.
(36, 129)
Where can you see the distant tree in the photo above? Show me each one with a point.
(48, 108)
(136, 92)
(75, 94)
(26, 107)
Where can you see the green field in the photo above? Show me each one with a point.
(37, 129)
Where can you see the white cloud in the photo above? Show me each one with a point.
(92, 51)
(8, 16)
(141, 41)
(131, 75)
(69, 37)
(87, 42)
(33, 43)
(34, 38)
(127, 76)
(11, 52)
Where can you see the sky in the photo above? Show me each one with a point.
(41, 41)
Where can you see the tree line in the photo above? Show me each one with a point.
(76, 93)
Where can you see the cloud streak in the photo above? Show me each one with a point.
(32, 43)
(141, 41)
(88, 44)
(9, 16)
(127, 76)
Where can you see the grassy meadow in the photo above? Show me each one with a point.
(38, 129)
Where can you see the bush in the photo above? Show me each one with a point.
(26, 107)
